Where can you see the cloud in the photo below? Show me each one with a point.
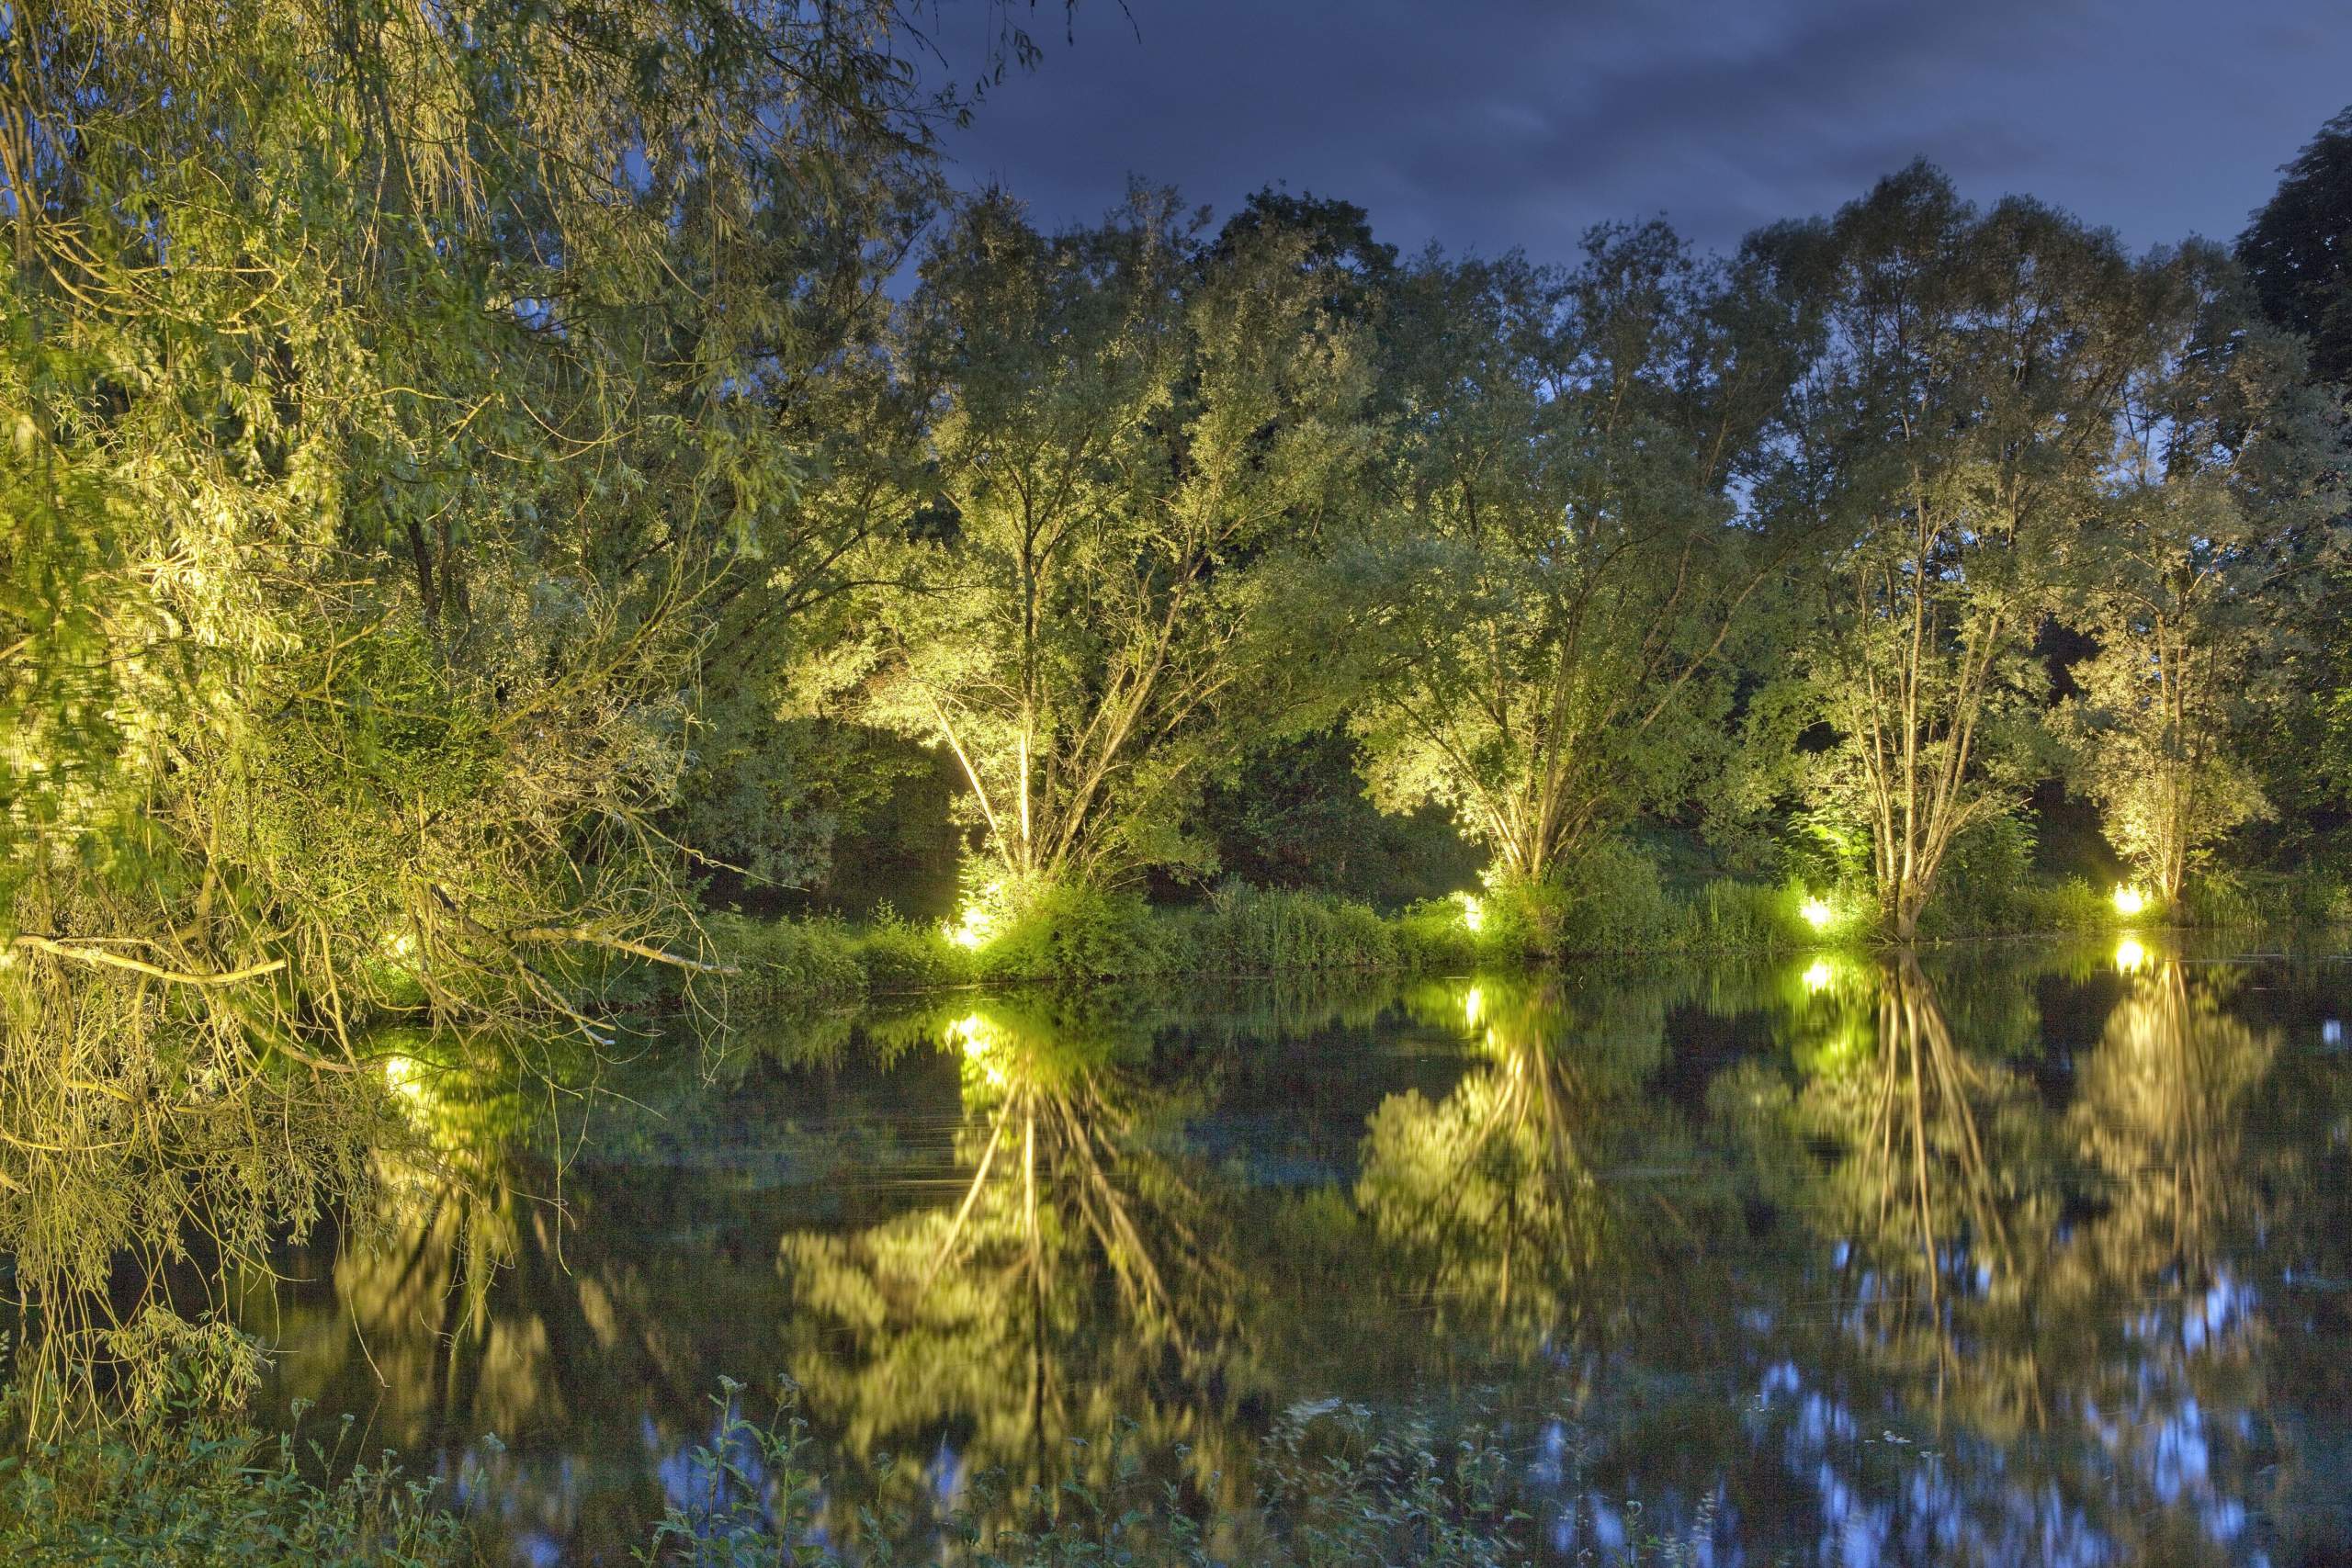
(1488, 125)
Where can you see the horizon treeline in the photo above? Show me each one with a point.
(1890, 541)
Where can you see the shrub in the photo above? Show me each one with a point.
(1249, 931)
(181, 1478)
(1066, 934)
(790, 960)
(1432, 938)
(899, 955)
(2073, 904)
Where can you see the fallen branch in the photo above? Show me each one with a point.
(82, 954)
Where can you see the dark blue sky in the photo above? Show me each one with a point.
(1485, 124)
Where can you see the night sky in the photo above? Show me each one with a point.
(1488, 124)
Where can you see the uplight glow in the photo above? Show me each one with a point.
(2129, 900)
(1474, 912)
(1817, 914)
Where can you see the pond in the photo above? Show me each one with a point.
(2010, 1254)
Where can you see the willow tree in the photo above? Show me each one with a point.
(1560, 568)
(1126, 426)
(378, 387)
(2203, 574)
(1963, 378)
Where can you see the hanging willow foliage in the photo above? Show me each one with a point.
(387, 393)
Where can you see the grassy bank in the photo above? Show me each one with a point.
(1076, 936)
(1335, 1490)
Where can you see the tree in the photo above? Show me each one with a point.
(2203, 574)
(1963, 372)
(1559, 566)
(2298, 251)
(380, 390)
(1125, 429)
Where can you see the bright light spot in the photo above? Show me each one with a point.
(1474, 1004)
(979, 1039)
(1474, 912)
(2129, 901)
(975, 924)
(406, 1076)
(2130, 956)
(1817, 978)
(2331, 1033)
(1817, 914)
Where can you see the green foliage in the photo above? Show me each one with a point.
(1247, 930)
(791, 960)
(899, 955)
(1541, 605)
(1061, 932)
(186, 1480)
(2297, 250)
(1949, 432)
(1125, 425)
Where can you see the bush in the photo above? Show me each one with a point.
(790, 960)
(1064, 934)
(899, 955)
(181, 1478)
(2073, 904)
(1248, 930)
(1982, 887)
(1432, 938)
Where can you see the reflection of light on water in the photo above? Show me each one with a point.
(978, 1038)
(2130, 956)
(1474, 1004)
(1818, 977)
(406, 1076)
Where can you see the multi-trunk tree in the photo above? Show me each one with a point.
(1950, 429)
(2199, 580)
(1544, 600)
(1126, 427)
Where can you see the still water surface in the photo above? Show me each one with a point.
(2016, 1255)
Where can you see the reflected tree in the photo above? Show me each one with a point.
(976, 1317)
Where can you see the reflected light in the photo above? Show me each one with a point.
(1474, 1004)
(1817, 978)
(1817, 914)
(1474, 912)
(2130, 956)
(406, 1076)
(978, 1040)
(2129, 901)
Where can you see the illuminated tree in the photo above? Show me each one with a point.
(382, 392)
(1546, 606)
(1948, 431)
(1126, 426)
(2203, 576)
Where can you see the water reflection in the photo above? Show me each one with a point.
(1867, 1261)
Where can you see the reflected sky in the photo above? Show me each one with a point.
(2003, 1257)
